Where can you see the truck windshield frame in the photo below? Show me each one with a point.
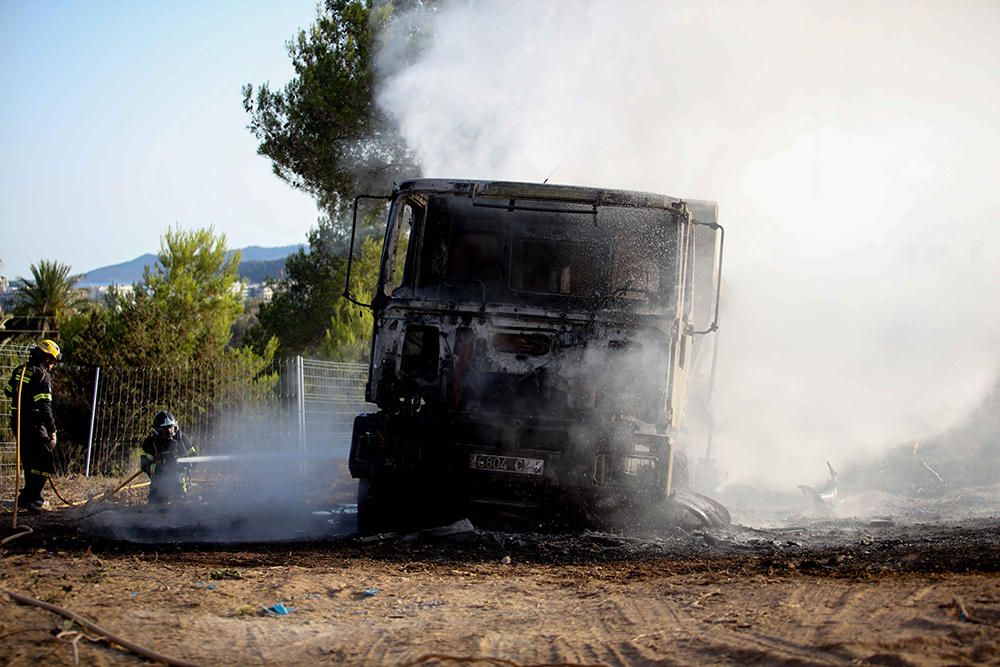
(459, 249)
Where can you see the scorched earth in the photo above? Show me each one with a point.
(921, 588)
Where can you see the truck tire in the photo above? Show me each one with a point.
(694, 510)
(371, 508)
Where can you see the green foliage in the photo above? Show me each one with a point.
(182, 311)
(323, 131)
(348, 335)
(168, 341)
(307, 313)
(49, 298)
(326, 135)
(193, 291)
(75, 325)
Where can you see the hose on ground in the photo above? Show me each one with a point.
(104, 495)
(59, 495)
(25, 530)
(96, 629)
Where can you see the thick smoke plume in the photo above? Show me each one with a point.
(854, 150)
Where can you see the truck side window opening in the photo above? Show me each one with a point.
(397, 253)
(433, 248)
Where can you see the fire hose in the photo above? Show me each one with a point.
(93, 627)
(104, 495)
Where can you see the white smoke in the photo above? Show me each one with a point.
(257, 483)
(853, 147)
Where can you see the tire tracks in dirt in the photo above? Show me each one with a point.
(674, 633)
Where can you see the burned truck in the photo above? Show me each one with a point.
(531, 350)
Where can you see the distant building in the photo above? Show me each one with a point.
(8, 295)
(99, 292)
(257, 292)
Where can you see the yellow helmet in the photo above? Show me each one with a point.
(50, 348)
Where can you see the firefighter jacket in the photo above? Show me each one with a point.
(160, 453)
(33, 385)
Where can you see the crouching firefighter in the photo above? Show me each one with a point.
(168, 478)
(30, 393)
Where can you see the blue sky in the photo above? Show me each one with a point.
(120, 119)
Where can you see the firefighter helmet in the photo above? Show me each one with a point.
(48, 347)
(163, 421)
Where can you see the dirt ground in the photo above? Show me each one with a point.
(823, 592)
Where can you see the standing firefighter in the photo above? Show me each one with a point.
(168, 479)
(30, 393)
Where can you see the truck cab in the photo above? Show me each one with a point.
(531, 350)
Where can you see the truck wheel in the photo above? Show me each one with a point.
(697, 511)
(371, 509)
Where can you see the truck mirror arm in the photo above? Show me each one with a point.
(714, 326)
(347, 295)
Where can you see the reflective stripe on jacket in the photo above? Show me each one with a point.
(157, 451)
(34, 385)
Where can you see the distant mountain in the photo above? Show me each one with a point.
(255, 253)
(256, 265)
(258, 271)
(125, 273)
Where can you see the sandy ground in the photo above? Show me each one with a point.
(823, 592)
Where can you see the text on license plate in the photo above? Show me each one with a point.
(514, 464)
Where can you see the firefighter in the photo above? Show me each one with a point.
(168, 479)
(30, 387)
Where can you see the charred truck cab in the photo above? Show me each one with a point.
(531, 349)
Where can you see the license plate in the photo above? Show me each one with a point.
(514, 464)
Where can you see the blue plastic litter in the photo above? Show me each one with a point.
(278, 609)
(368, 592)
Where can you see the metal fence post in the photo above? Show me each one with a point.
(93, 413)
(301, 400)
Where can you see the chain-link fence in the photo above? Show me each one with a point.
(298, 406)
(332, 395)
(11, 356)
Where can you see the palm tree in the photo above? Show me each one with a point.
(50, 297)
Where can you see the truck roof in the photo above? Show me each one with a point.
(702, 210)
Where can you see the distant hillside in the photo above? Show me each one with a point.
(256, 265)
(125, 273)
(255, 253)
(258, 271)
